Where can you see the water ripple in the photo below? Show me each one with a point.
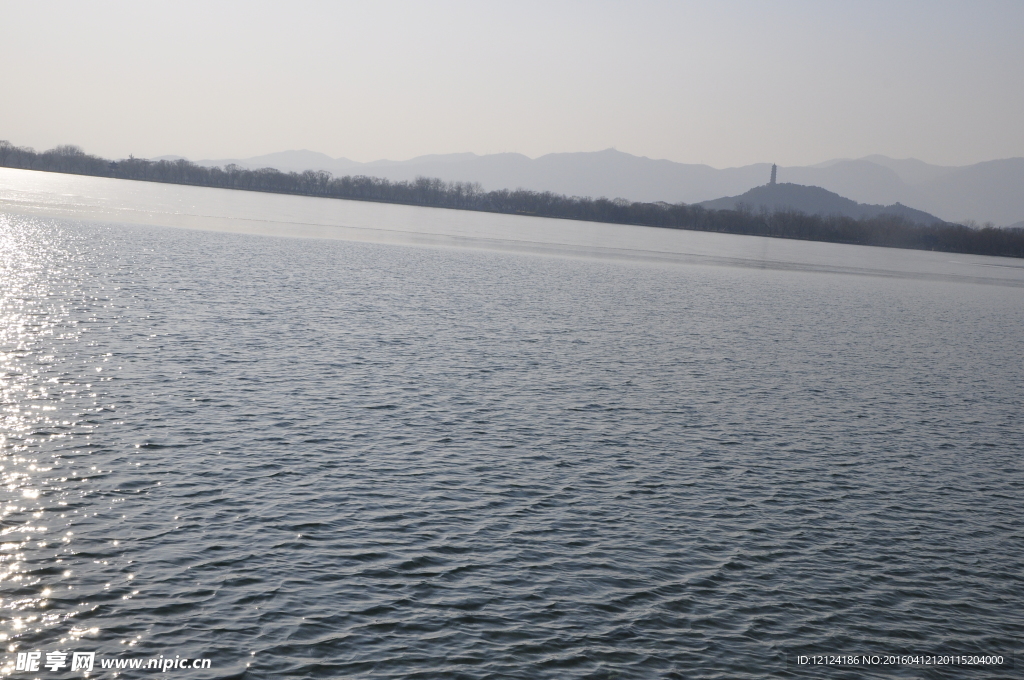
(330, 459)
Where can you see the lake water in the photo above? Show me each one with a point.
(315, 438)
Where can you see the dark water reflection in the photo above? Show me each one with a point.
(335, 459)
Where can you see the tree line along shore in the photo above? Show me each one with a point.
(886, 231)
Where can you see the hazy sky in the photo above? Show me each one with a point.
(723, 83)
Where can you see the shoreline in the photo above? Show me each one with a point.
(882, 231)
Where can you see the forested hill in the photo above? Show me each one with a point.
(814, 201)
(882, 230)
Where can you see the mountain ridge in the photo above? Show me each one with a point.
(991, 191)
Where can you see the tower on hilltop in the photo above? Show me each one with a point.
(774, 169)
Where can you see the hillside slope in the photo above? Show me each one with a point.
(813, 201)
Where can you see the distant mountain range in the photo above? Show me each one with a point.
(992, 191)
(813, 201)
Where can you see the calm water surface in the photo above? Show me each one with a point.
(432, 444)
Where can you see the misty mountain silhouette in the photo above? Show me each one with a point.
(813, 201)
(990, 191)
